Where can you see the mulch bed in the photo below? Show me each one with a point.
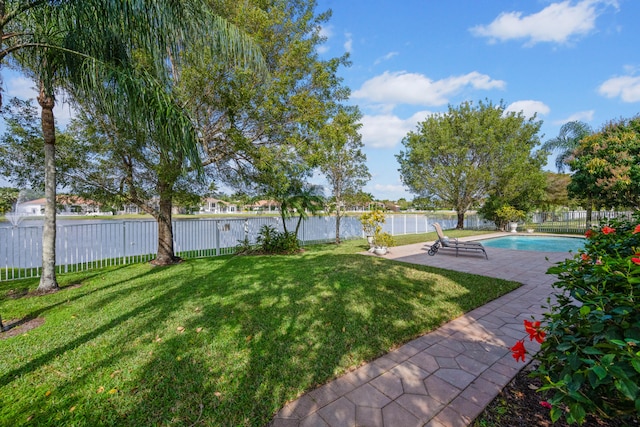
(518, 404)
(16, 327)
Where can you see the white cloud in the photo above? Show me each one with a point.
(580, 116)
(625, 87)
(528, 108)
(417, 89)
(556, 23)
(386, 57)
(386, 130)
(23, 88)
(348, 45)
(391, 189)
(326, 32)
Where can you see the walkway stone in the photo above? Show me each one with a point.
(447, 377)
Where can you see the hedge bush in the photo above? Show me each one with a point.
(590, 359)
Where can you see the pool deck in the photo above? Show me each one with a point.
(446, 377)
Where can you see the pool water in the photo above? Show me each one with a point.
(536, 243)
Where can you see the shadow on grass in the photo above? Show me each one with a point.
(229, 341)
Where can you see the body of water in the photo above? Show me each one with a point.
(536, 243)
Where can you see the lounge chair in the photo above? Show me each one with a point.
(445, 242)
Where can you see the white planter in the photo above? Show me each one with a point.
(380, 250)
(513, 226)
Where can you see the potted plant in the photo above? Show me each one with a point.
(372, 224)
(382, 242)
(507, 214)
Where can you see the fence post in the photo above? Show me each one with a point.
(217, 237)
(124, 242)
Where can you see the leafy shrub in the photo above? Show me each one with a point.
(244, 246)
(384, 240)
(272, 241)
(590, 359)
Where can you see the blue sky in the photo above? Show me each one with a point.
(564, 60)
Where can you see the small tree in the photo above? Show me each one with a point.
(507, 214)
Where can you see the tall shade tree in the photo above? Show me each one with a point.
(460, 157)
(44, 40)
(251, 129)
(568, 139)
(342, 161)
(606, 166)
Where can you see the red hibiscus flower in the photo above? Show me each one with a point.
(585, 257)
(635, 261)
(637, 229)
(608, 230)
(546, 404)
(518, 350)
(534, 331)
(589, 233)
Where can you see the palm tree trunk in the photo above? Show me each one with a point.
(48, 280)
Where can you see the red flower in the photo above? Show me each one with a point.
(518, 350)
(546, 404)
(635, 261)
(608, 230)
(585, 257)
(589, 233)
(637, 229)
(534, 331)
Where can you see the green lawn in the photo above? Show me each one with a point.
(222, 341)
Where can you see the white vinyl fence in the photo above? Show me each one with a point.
(93, 244)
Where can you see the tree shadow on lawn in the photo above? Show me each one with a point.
(271, 329)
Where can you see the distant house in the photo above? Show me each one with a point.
(217, 206)
(265, 206)
(32, 207)
(66, 204)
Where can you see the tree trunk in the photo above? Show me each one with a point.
(165, 255)
(48, 280)
(589, 215)
(338, 218)
(460, 225)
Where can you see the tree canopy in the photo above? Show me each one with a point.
(606, 166)
(472, 153)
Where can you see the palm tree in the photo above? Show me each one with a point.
(44, 40)
(301, 200)
(567, 141)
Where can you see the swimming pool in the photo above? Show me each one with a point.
(536, 243)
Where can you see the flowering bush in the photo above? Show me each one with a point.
(590, 346)
(372, 222)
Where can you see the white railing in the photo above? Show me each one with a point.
(110, 242)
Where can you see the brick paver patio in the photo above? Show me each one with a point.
(444, 378)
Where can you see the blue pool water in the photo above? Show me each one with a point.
(536, 243)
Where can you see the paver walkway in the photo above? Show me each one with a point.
(444, 378)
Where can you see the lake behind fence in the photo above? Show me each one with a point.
(82, 245)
